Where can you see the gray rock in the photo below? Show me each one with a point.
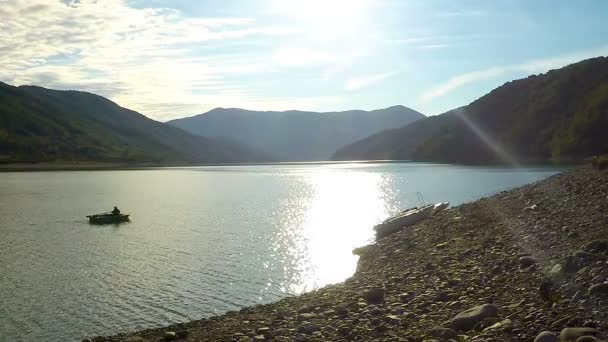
(342, 309)
(586, 255)
(527, 261)
(444, 333)
(305, 309)
(466, 320)
(546, 336)
(572, 334)
(589, 339)
(572, 264)
(598, 289)
(134, 339)
(557, 271)
(308, 328)
(306, 316)
(282, 314)
(374, 295)
(170, 336)
(597, 246)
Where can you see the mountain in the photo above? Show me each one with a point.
(296, 135)
(38, 124)
(559, 115)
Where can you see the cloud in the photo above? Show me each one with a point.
(460, 13)
(367, 81)
(461, 80)
(134, 56)
(530, 67)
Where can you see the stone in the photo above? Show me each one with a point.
(392, 319)
(170, 336)
(467, 319)
(589, 339)
(134, 339)
(598, 289)
(262, 330)
(572, 264)
(443, 333)
(305, 309)
(557, 271)
(308, 328)
(328, 313)
(527, 261)
(342, 309)
(596, 246)
(281, 314)
(307, 316)
(585, 255)
(546, 336)
(504, 325)
(572, 334)
(374, 295)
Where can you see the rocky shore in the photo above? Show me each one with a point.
(530, 264)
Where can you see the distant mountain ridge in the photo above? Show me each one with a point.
(296, 135)
(559, 115)
(39, 124)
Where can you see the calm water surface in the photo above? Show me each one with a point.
(202, 241)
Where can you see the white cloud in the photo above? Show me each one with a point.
(134, 56)
(367, 81)
(461, 80)
(529, 67)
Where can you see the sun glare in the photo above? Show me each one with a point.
(319, 9)
(344, 208)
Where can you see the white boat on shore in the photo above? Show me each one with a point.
(406, 218)
(440, 206)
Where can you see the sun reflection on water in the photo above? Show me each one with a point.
(342, 208)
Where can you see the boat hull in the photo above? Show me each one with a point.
(406, 219)
(108, 218)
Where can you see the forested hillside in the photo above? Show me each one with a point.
(38, 124)
(560, 115)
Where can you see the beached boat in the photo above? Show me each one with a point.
(440, 206)
(108, 218)
(406, 218)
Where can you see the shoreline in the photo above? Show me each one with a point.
(523, 261)
(112, 166)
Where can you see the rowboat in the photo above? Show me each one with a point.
(404, 219)
(108, 218)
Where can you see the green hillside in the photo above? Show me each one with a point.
(38, 124)
(560, 115)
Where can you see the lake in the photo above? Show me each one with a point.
(202, 241)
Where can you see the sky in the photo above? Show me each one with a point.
(174, 58)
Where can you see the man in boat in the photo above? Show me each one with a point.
(116, 211)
